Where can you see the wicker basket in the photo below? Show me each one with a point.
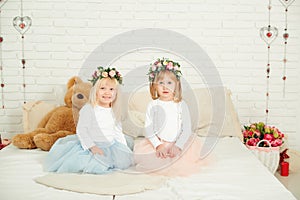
(269, 156)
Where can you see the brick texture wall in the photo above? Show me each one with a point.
(65, 33)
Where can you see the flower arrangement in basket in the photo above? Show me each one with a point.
(256, 132)
(264, 141)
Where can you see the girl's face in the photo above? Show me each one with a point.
(165, 88)
(106, 93)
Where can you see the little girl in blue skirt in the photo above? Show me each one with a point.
(99, 146)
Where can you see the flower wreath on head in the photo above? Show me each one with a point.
(104, 73)
(164, 64)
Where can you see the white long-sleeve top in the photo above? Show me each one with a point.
(168, 121)
(97, 124)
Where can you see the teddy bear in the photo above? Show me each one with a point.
(59, 122)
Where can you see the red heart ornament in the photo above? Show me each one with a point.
(286, 3)
(22, 24)
(268, 34)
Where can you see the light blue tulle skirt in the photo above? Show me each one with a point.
(67, 156)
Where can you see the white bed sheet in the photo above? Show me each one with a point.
(235, 174)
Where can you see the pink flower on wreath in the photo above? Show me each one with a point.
(152, 75)
(104, 74)
(154, 67)
(176, 67)
(170, 66)
(95, 75)
(112, 73)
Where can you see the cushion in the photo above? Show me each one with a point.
(33, 113)
(216, 113)
(212, 112)
(134, 115)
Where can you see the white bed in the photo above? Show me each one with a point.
(234, 174)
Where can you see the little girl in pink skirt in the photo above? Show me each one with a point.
(169, 148)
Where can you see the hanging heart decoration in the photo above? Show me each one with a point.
(286, 3)
(22, 24)
(268, 34)
(2, 2)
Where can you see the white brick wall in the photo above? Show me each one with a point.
(64, 33)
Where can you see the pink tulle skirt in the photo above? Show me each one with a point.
(187, 163)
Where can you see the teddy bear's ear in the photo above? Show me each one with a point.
(74, 80)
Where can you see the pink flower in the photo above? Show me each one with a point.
(170, 66)
(250, 133)
(276, 143)
(151, 75)
(269, 137)
(281, 135)
(95, 74)
(247, 133)
(119, 74)
(112, 73)
(176, 67)
(154, 67)
(104, 74)
(257, 132)
(252, 141)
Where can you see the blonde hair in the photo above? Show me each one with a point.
(160, 76)
(116, 103)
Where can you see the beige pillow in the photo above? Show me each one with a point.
(33, 113)
(210, 117)
(135, 106)
(216, 113)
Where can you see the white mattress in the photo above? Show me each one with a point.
(235, 174)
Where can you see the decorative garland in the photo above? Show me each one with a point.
(268, 34)
(22, 24)
(1, 63)
(285, 35)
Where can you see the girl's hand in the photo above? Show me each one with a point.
(174, 151)
(96, 150)
(162, 151)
